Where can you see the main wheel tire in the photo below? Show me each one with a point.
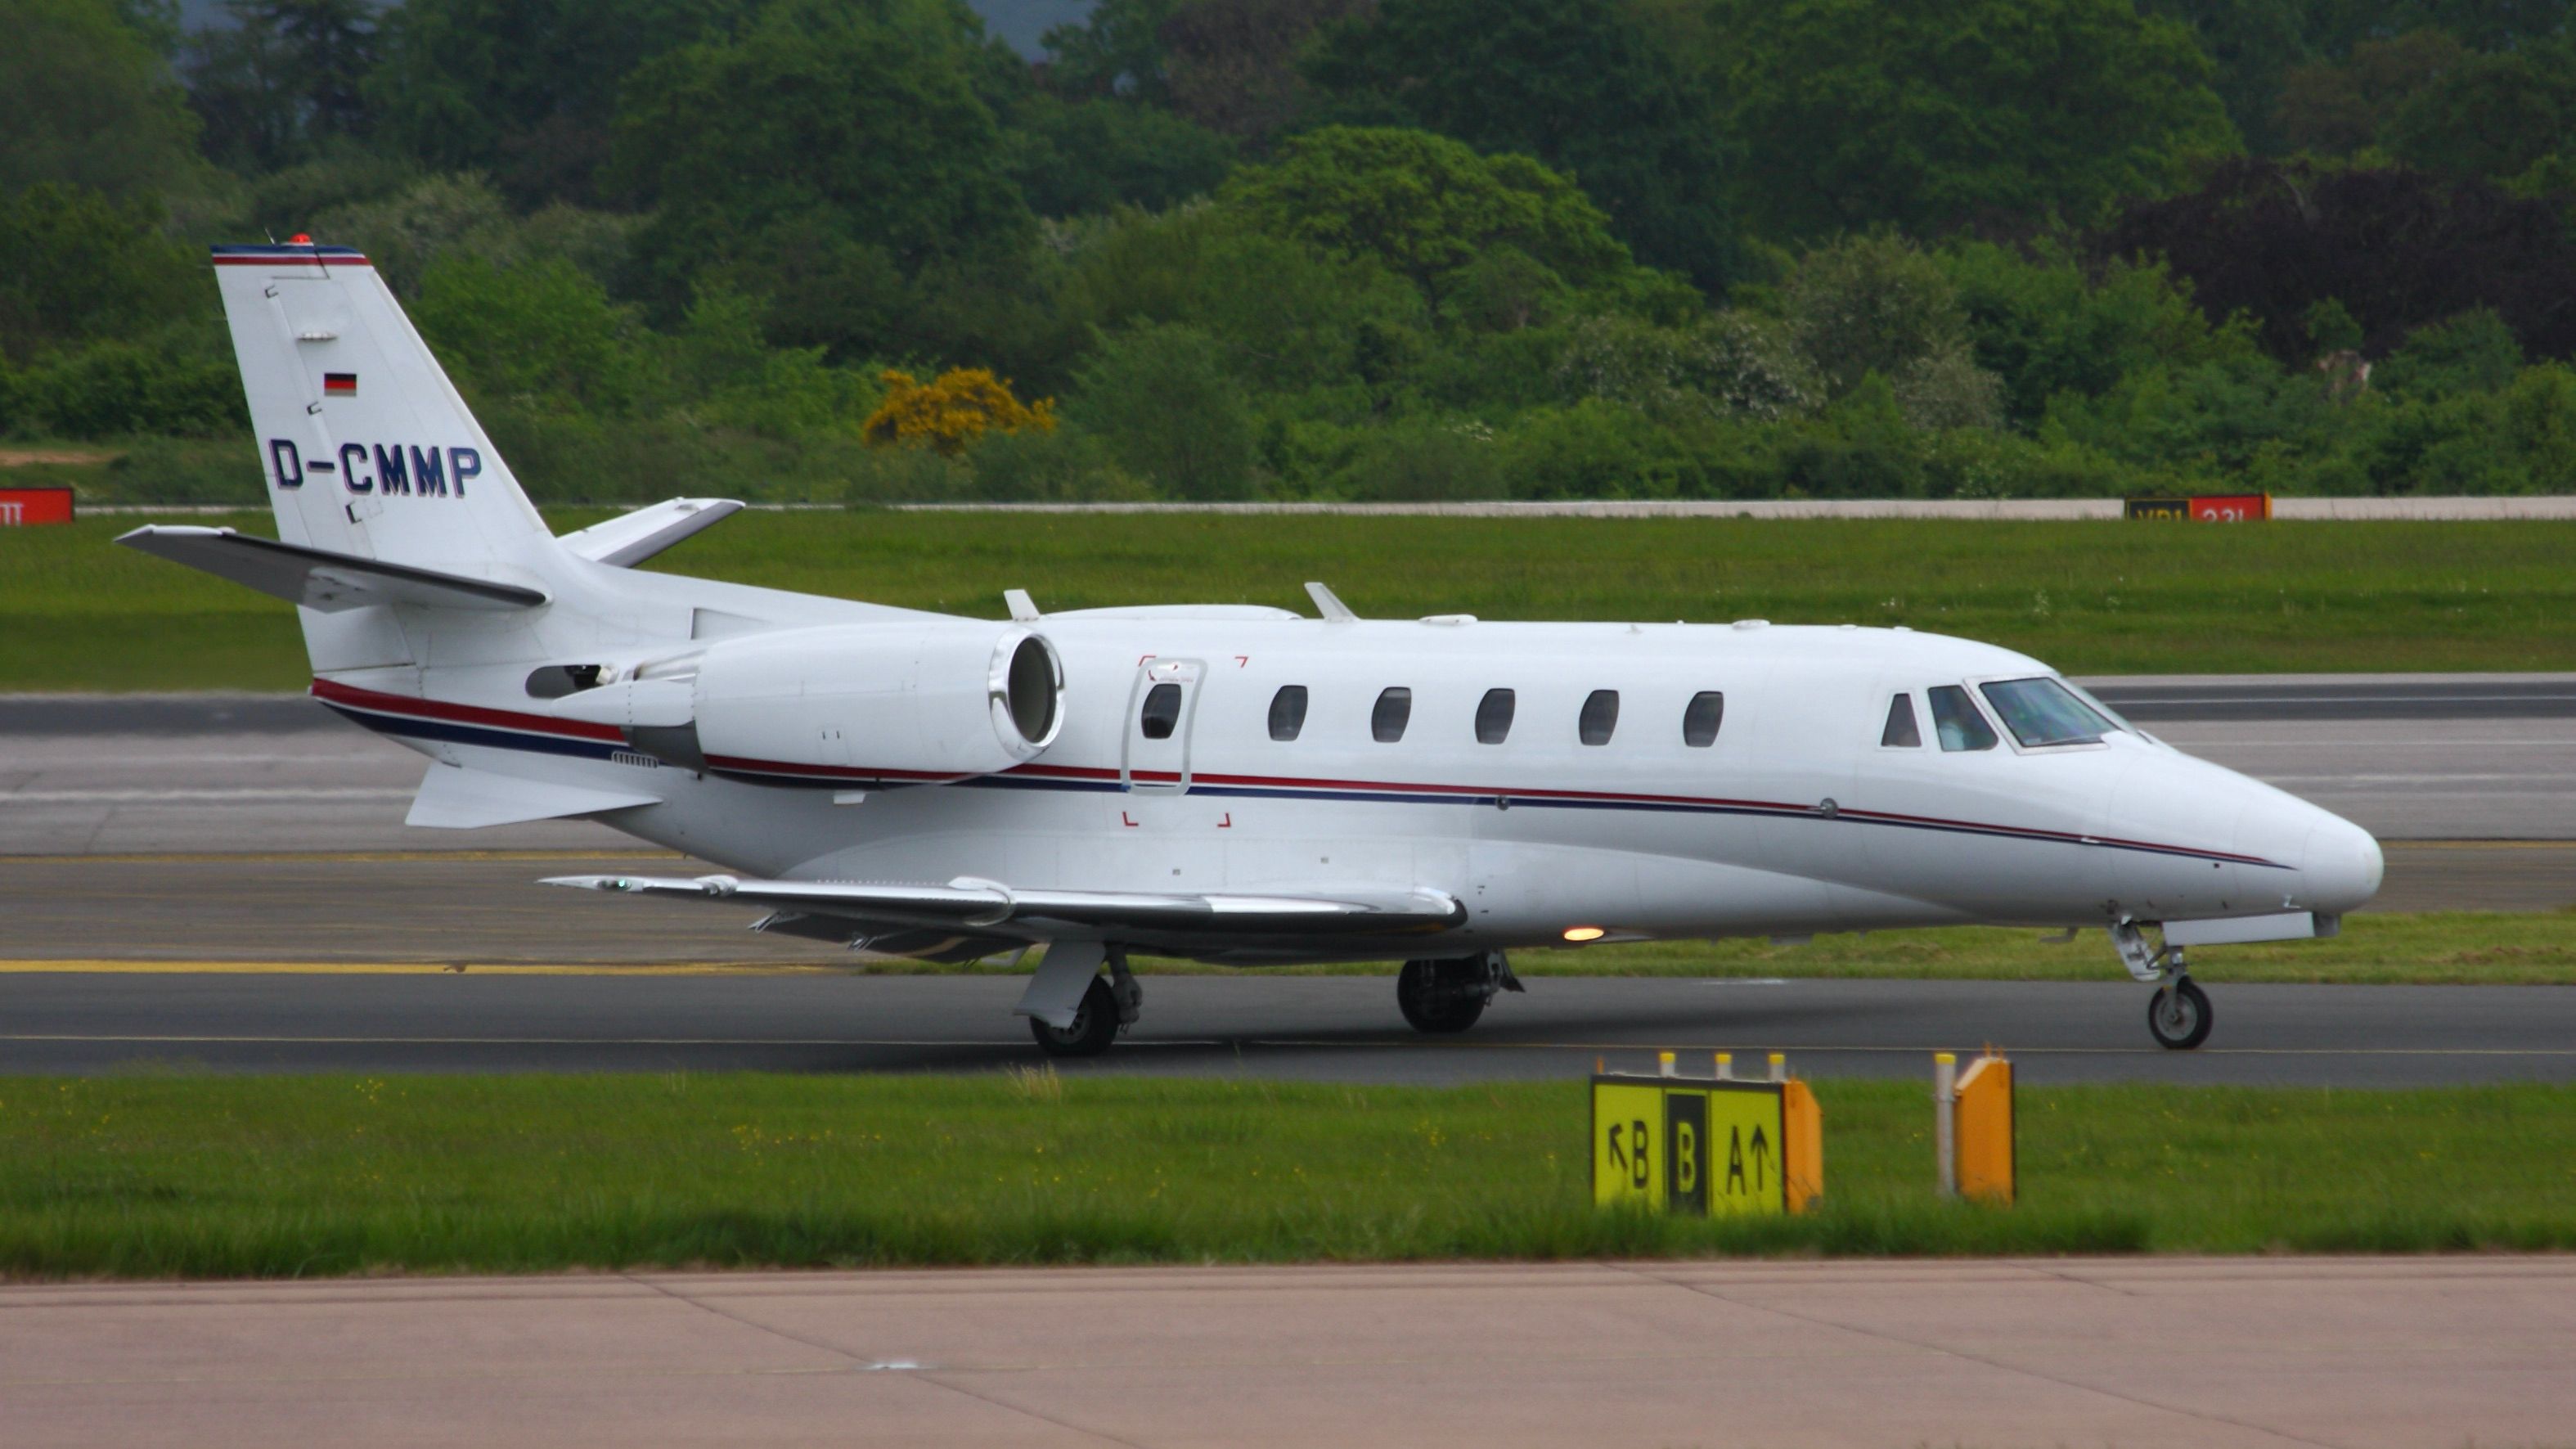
(1440, 997)
(2180, 1018)
(1095, 1025)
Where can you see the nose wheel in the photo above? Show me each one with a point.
(2178, 1014)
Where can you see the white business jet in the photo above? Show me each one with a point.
(1232, 784)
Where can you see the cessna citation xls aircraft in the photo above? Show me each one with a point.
(1234, 784)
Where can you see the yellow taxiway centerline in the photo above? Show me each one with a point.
(414, 968)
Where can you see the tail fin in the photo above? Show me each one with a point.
(368, 448)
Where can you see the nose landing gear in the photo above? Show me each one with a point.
(2178, 1015)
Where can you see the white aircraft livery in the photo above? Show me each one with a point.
(1233, 784)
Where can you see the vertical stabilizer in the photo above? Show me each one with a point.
(367, 446)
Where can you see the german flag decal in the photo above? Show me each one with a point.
(339, 384)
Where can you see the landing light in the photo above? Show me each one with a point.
(1584, 933)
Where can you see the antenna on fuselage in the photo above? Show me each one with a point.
(1024, 610)
(1334, 610)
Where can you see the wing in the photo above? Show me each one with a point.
(967, 911)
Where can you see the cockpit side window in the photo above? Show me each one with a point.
(1901, 733)
(2042, 712)
(1955, 721)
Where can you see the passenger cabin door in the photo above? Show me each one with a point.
(1160, 709)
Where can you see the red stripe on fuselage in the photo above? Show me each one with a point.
(332, 692)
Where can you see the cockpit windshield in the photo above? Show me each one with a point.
(2042, 712)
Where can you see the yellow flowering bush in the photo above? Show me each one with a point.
(952, 410)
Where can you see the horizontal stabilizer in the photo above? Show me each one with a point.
(318, 578)
(632, 538)
(1046, 914)
(459, 799)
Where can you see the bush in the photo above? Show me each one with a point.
(1159, 399)
(951, 411)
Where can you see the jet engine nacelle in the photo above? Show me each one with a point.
(878, 703)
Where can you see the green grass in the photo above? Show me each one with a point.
(2088, 597)
(190, 1176)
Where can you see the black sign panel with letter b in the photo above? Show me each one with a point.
(1686, 1153)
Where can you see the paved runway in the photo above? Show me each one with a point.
(1325, 1028)
(2170, 1353)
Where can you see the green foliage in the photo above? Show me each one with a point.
(2336, 108)
(2489, 116)
(866, 129)
(1581, 85)
(1872, 305)
(280, 78)
(2471, 353)
(540, 335)
(2046, 324)
(85, 100)
(1927, 116)
(1158, 397)
(525, 90)
(1094, 156)
(77, 267)
(1289, 316)
(1424, 206)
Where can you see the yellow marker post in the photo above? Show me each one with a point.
(1985, 1132)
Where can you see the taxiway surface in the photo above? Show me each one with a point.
(2158, 1353)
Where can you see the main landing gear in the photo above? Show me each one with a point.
(1445, 997)
(2178, 1015)
(1110, 1005)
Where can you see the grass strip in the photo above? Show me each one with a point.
(302, 1176)
(2091, 597)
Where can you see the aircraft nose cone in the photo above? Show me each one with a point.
(2341, 867)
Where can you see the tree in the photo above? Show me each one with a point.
(77, 267)
(1092, 156)
(1873, 304)
(1231, 65)
(2336, 109)
(1424, 206)
(540, 335)
(525, 90)
(864, 129)
(1928, 116)
(282, 78)
(1159, 397)
(86, 100)
(2400, 248)
(1578, 84)
(2490, 116)
(1117, 50)
(2253, 45)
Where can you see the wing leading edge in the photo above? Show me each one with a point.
(989, 909)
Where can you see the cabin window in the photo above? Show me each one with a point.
(1955, 721)
(1393, 712)
(1162, 712)
(2043, 712)
(1600, 717)
(1701, 717)
(1900, 733)
(1494, 717)
(1287, 712)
